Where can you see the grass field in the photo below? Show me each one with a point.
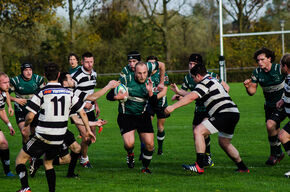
(110, 172)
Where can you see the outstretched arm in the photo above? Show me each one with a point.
(8, 101)
(251, 88)
(85, 120)
(112, 84)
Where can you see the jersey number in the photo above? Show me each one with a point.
(55, 102)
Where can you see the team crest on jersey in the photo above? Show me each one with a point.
(47, 91)
(56, 91)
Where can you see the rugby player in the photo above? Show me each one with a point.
(73, 60)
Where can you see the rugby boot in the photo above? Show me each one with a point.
(130, 160)
(273, 160)
(194, 168)
(146, 170)
(208, 160)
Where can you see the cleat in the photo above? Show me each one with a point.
(86, 164)
(273, 160)
(34, 166)
(72, 175)
(141, 157)
(287, 175)
(146, 170)
(9, 174)
(194, 168)
(27, 189)
(159, 152)
(130, 160)
(208, 160)
(242, 171)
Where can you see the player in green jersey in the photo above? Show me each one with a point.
(73, 62)
(133, 115)
(268, 75)
(200, 112)
(24, 86)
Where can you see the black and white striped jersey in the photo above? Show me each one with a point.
(2, 100)
(286, 96)
(214, 97)
(54, 104)
(85, 82)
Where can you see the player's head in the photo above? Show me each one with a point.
(26, 70)
(65, 80)
(133, 58)
(73, 60)
(198, 71)
(141, 72)
(264, 57)
(51, 71)
(4, 82)
(152, 59)
(88, 61)
(285, 63)
(194, 59)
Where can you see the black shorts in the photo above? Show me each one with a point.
(142, 123)
(36, 148)
(69, 138)
(159, 111)
(199, 117)
(287, 127)
(20, 117)
(223, 122)
(91, 116)
(275, 115)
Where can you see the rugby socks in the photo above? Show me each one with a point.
(73, 162)
(287, 147)
(275, 145)
(200, 159)
(50, 177)
(22, 173)
(241, 166)
(129, 151)
(4, 154)
(207, 145)
(147, 156)
(160, 139)
(142, 147)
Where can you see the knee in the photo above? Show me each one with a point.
(150, 146)
(66, 159)
(271, 125)
(75, 147)
(4, 144)
(283, 136)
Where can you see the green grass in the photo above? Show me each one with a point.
(110, 172)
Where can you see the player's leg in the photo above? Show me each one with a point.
(148, 140)
(21, 170)
(160, 135)
(75, 152)
(84, 159)
(5, 155)
(284, 137)
(20, 119)
(50, 174)
(129, 141)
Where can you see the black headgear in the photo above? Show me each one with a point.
(195, 58)
(134, 55)
(24, 66)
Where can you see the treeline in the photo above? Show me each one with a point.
(30, 31)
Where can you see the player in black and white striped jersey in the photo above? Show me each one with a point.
(284, 104)
(220, 108)
(54, 104)
(86, 80)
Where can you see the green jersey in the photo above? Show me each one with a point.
(128, 71)
(272, 83)
(155, 78)
(137, 99)
(190, 84)
(73, 70)
(25, 89)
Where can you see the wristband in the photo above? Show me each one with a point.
(9, 124)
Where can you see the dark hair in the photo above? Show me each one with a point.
(286, 60)
(265, 51)
(152, 57)
(198, 69)
(51, 71)
(62, 77)
(195, 57)
(73, 54)
(134, 55)
(87, 54)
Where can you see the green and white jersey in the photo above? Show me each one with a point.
(155, 78)
(25, 89)
(128, 71)
(272, 83)
(73, 70)
(190, 84)
(138, 96)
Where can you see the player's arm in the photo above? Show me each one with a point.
(85, 120)
(8, 101)
(78, 121)
(182, 102)
(161, 67)
(251, 87)
(112, 84)
(5, 119)
(226, 86)
(162, 93)
(178, 91)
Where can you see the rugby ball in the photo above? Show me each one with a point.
(121, 88)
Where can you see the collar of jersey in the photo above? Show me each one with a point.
(85, 72)
(53, 84)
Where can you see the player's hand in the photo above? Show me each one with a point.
(176, 97)
(160, 87)
(280, 104)
(10, 111)
(168, 110)
(12, 132)
(98, 111)
(101, 122)
(21, 102)
(91, 137)
(88, 106)
(121, 96)
(174, 88)
(149, 85)
(247, 83)
(113, 84)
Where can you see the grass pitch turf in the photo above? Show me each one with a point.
(108, 157)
